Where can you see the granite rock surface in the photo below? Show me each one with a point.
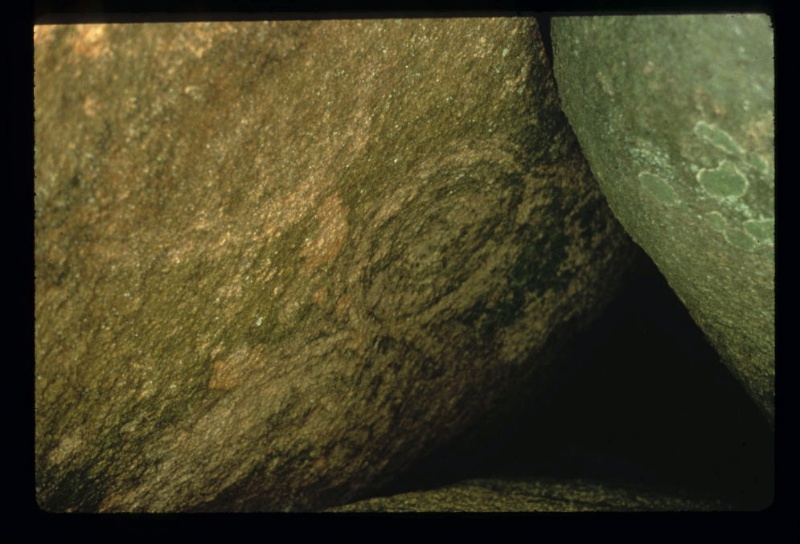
(535, 495)
(276, 262)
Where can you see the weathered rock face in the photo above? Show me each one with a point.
(535, 495)
(278, 261)
(675, 116)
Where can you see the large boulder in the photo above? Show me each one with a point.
(675, 116)
(276, 262)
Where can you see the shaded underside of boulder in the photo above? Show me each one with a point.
(278, 261)
(643, 399)
(675, 116)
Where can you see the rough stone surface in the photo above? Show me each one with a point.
(278, 261)
(675, 116)
(535, 495)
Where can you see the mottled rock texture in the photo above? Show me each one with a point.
(675, 116)
(276, 262)
(535, 495)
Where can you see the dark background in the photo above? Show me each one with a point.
(643, 399)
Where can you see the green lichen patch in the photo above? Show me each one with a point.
(763, 230)
(725, 181)
(716, 221)
(647, 155)
(740, 239)
(659, 188)
(718, 138)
